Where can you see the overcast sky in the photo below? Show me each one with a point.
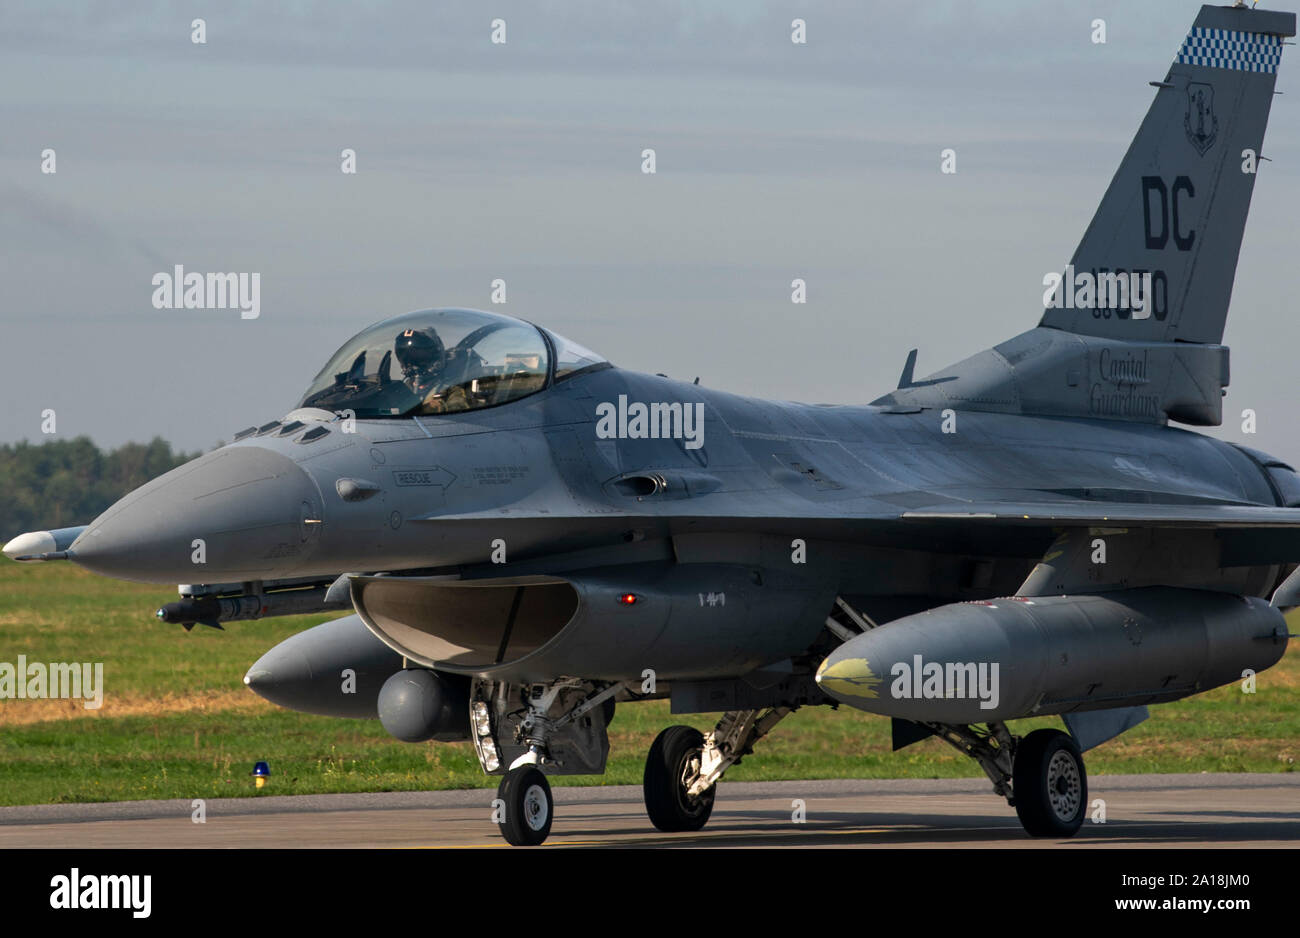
(523, 161)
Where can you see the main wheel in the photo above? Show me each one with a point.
(529, 806)
(1049, 784)
(675, 757)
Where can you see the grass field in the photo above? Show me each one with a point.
(177, 721)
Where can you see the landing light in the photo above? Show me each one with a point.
(482, 722)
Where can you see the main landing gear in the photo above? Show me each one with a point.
(670, 769)
(1041, 776)
(684, 765)
(1050, 784)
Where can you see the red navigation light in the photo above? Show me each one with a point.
(627, 599)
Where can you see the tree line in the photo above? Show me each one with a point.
(60, 483)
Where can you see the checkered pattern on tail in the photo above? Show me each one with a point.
(1228, 48)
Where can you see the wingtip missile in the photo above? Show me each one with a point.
(37, 546)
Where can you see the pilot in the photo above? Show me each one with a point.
(424, 365)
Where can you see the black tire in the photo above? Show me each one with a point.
(666, 801)
(1050, 784)
(529, 807)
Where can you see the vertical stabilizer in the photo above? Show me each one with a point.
(1176, 208)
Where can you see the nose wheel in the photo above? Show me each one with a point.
(1050, 784)
(670, 768)
(527, 807)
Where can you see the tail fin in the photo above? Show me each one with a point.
(1176, 208)
(1172, 220)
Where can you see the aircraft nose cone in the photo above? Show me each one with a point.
(240, 513)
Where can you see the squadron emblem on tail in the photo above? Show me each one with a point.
(1200, 121)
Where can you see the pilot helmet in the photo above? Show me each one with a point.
(418, 349)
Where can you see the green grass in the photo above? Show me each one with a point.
(153, 747)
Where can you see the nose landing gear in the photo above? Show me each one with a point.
(527, 807)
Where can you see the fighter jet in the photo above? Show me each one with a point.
(528, 535)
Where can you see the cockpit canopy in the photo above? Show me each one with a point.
(443, 361)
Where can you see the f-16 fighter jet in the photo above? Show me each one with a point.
(528, 535)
